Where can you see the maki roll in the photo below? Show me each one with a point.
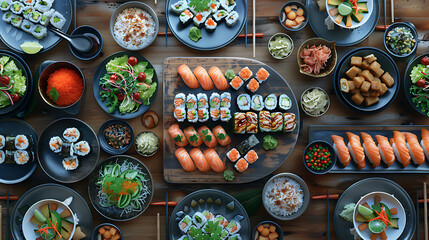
(29, 2)
(9, 156)
(82, 148)
(202, 101)
(21, 142)
(235, 237)
(55, 144)
(245, 73)
(270, 102)
(71, 134)
(186, 16)
(179, 100)
(7, 17)
(199, 19)
(70, 163)
(199, 219)
(210, 24)
(231, 19)
(185, 224)
(192, 115)
(241, 165)
(179, 114)
(239, 123)
(223, 222)
(253, 85)
(236, 82)
(34, 16)
(224, 234)
(57, 20)
(251, 156)
(16, 7)
(27, 26)
(2, 141)
(2, 156)
(247, 144)
(203, 115)
(16, 21)
(257, 103)
(10, 143)
(233, 227)
(214, 6)
(225, 114)
(26, 12)
(251, 122)
(284, 102)
(21, 157)
(289, 122)
(219, 15)
(228, 5)
(179, 6)
(5, 5)
(215, 114)
(46, 17)
(67, 149)
(233, 155)
(191, 102)
(262, 74)
(43, 5)
(276, 122)
(208, 215)
(225, 100)
(243, 102)
(215, 100)
(265, 121)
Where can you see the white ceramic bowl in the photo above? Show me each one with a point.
(390, 202)
(355, 24)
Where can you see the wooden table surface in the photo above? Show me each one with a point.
(311, 225)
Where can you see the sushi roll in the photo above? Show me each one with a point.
(245, 73)
(262, 75)
(27, 26)
(26, 12)
(2, 156)
(82, 148)
(57, 20)
(257, 103)
(233, 155)
(289, 122)
(247, 144)
(225, 100)
(270, 102)
(186, 16)
(219, 15)
(208, 215)
(34, 16)
(251, 156)
(185, 223)
(17, 7)
(228, 5)
(232, 18)
(203, 115)
(276, 122)
(46, 17)
(199, 219)
(223, 222)
(199, 19)
(214, 6)
(5, 5)
(236, 82)
(239, 123)
(55, 144)
(39, 31)
(253, 85)
(29, 2)
(10, 143)
(7, 17)
(210, 24)
(284, 102)
(265, 121)
(243, 102)
(179, 6)
(233, 227)
(9, 156)
(71, 134)
(225, 114)
(16, 21)
(215, 100)
(2, 141)
(251, 122)
(179, 114)
(192, 115)
(202, 101)
(70, 163)
(241, 165)
(179, 100)
(67, 149)
(235, 237)
(21, 142)
(224, 234)
(21, 157)
(43, 5)
(191, 102)
(215, 114)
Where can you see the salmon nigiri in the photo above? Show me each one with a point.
(207, 136)
(185, 160)
(199, 160)
(416, 151)
(188, 77)
(400, 149)
(221, 135)
(341, 150)
(371, 149)
(203, 78)
(193, 137)
(218, 78)
(356, 149)
(177, 135)
(425, 142)
(214, 160)
(386, 150)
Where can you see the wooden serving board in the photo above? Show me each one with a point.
(324, 132)
(268, 161)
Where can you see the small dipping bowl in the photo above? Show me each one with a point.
(302, 105)
(404, 57)
(333, 157)
(103, 141)
(280, 35)
(96, 38)
(94, 235)
(279, 230)
(135, 144)
(282, 11)
(329, 65)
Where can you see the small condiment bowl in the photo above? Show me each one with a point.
(92, 33)
(279, 230)
(332, 152)
(330, 64)
(94, 235)
(280, 35)
(302, 106)
(146, 155)
(103, 142)
(404, 57)
(282, 11)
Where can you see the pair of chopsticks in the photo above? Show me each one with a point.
(258, 35)
(158, 220)
(425, 205)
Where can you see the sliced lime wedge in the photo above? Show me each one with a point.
(31, 47)
(376, 226)
(344, 9)
(364, 211)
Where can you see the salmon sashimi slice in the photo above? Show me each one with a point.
(185, 160)
(203, 78)
(188, 77)
(416, 151)
(218, 78)
(371, 149)
(221, 136)
(199, 160)
(356, 149)
(425, 142)
(341, 150)
(214, 160)
(386, 150)
(207, 136)
(400, 148)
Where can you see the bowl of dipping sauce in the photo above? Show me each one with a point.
(400, 40)
(96, 39)
(116, 136)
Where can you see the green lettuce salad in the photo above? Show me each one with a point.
(420, 88)
(13, 83)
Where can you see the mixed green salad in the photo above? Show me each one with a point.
(127, 84)
(419, 88)
(13, 83)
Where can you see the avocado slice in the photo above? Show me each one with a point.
(34, 220)
(360, 218)
(4, 5)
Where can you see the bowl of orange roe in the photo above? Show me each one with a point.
(61, 85)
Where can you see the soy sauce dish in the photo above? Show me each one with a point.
(96, 39)
(116, 136)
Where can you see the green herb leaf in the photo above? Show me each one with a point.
(54, 94)
(178, 138)
(193, 138)
(199, 5)
(221, 136)
(208, 138)
(194, 34)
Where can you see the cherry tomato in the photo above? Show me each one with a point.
(120, 97)
(132, 61)
(141, 77)
(425, 60)
(136, 96)
(113, 78)
(15, 97)
(5, 79)
(421, 83)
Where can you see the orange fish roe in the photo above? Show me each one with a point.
(68, 84)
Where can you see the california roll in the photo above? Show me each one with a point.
(215, 113)
(284, 102)
(7, 17)
(191, 102)
(225, 114)
(70, 163)
(203, 115)
(179, 100)
(199, 219)
(231, 18)
(179, 114)
(46, 17)
(270, 102)
(185, 224)
(243, 102)
(71, 134)
(5, 5)
(225, 100)
(233, 227)
(17, 7)
(82, 148)
(43, 5)
(215, 100)
(179, 6)
(21, 142)
(34, 16)
(207, 214)
(26, 12)
(55, 144)
(228, 5)
(210, 24)
(21, 157)
(214, 6)
(202, 101)
(220, 15)
(16, 21)
(27, 26)
(57, 20)
(192, 115)
(257, 103)
(186, 16)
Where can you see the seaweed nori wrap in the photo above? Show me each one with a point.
(10, 143)
(67, 149)
(247, 144)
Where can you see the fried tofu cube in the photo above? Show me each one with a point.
(356, 61)
(367, 75)
(375, 69)
(374, 93)
(376, 79)
(356, 90)
(383, 89)
(364, 94)
(370, 58)
(387, 79)
(376, 86)
(357, 99)
(352, 85)
(353, 72)
(365, 86)
(371, 100)
(358, 81)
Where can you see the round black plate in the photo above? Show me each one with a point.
(50, 191)
(220, 37)
(101, 70)
(11, 173)
(408, 83)
(341, 36)
(14, 37)
(114, 213)
(51, 162)
(387, 64)
(103, 143)
(365, 186)
(245, 232)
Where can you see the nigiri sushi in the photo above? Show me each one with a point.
(177, 135)
(425, 142)
(416, 151)
(199, 160)
(356, 149)
(203, 78)
(400, 149)
(188, 77)
(192, 136)
(241, 165)
(207, 136)
(185, 160)
(371, 149)
(386, 150)
(214, 160)
(221, 136)
(341, 150)
(218, 78)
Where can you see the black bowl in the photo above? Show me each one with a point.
(95, 231)
(387, 64)
(279, 230)
(333, 157)
(305, 15)
(408, 83)
(103, 142)
(404, 57)
(96, 38)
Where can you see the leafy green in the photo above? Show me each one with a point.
(4, 100)
(251, 200)
(347, 213)
(194, 34)
(17, 80)
(19, 85)
(139, 67)
(212, 230)
(4, 60)
(119, 61)
(199, 5)
(10, 68)
(146, 95)
(416, 72)
(128, 105)
(54, 94)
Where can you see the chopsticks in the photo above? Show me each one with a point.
(7, 215)
(328, 231)
(392, 10)
(1, 221)
(425, 204)
(169, 204)
(167, 228)
(328, 196)
(418, 214)
(158, 227)
(254, 28)
(11, 198)
(258, 35)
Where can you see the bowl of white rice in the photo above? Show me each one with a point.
(134, 25)
(285, 196)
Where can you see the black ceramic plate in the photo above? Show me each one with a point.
(51, 162)
(220, 37)
(50, 191)
(341, 36)
(14, 37)
(114, 213)
(11, 173)
(408, 83)
(101, 70)
(387, 64)
(103, 142)
(354, 193)
(185, 206)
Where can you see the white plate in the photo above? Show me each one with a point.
(369, 6)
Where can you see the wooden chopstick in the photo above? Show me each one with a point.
(331, 196)
(1, 221)
(417, 215)
(158, 227)
(167, 227)
(328, 227)
(258, 35)
(11, 198)
(392, 10)
(7, 214)
(425, 210)
(170, 204)
(254, 28)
